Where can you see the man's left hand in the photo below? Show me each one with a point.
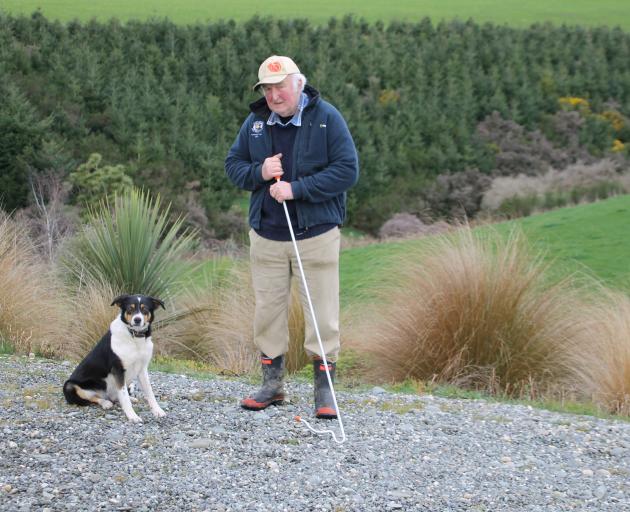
(281, 191)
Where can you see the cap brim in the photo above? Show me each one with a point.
(271, 80)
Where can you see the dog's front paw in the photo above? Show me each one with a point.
(134, 418)
(158, 412)
(106, 404)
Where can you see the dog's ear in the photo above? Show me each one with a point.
(118, 301)
(156, 302)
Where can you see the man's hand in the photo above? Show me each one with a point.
(272, 167)
(281, 191)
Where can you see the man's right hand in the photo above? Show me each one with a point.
(272, 167)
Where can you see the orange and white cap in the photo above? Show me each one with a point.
(275, 69)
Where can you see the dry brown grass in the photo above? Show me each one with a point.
(601, 358)
(576, 176)
(215, 324)
(476, 312)
(92, 313)
(31, 307)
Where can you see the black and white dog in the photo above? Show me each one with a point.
(121, 356)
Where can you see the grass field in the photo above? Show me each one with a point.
(512, 12)
(592, 238)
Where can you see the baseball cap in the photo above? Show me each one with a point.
(274, 69)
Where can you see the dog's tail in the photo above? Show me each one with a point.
(70, 392)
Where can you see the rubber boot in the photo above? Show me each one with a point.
(272, 389)
(324, 403)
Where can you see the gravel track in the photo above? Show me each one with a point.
(403, 452)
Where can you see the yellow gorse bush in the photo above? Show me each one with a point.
(575, 102)
(618, 146)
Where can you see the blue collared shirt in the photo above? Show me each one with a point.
(297, 117)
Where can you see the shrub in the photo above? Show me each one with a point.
(519, 151)
(94, 183)
(521, 195)
(458, 195)
(131, 247)
(475, 311)
(406, 224)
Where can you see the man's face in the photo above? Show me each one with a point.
(283, 97)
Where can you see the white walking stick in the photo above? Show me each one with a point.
(319, 340)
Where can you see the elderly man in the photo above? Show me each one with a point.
(294, 147)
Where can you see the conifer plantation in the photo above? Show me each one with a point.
(436, 111)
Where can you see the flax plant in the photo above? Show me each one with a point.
(132, 246)
(474, 310)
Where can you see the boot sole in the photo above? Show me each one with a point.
(251, 405)
(326, 413)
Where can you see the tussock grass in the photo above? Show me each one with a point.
(31, 307)
(601, 359)
(92, 313)
(214, 323)
(476, 311)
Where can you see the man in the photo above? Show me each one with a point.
(295, 137)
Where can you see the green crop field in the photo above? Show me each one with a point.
(512, 12)
(592, 238)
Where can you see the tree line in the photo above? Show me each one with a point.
(430, 106)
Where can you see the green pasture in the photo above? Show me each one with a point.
(512, 12)
(592, 238)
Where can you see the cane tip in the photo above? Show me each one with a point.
(298, 418)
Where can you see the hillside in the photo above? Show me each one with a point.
(592, 238)
(517, 14)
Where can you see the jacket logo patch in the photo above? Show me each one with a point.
(257, 128)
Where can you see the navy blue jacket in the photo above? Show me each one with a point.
(325, 160)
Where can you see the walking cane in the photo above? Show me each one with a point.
(319, 340)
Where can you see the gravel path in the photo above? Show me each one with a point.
(403, 452)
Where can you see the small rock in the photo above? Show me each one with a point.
(394, 505)
(200, 443)
(587, 472)
(399, 493)
(93, 477)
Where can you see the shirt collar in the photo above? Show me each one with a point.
(296, 120)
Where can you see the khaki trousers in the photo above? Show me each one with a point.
(273, 264)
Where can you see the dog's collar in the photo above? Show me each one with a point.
(140, 334)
